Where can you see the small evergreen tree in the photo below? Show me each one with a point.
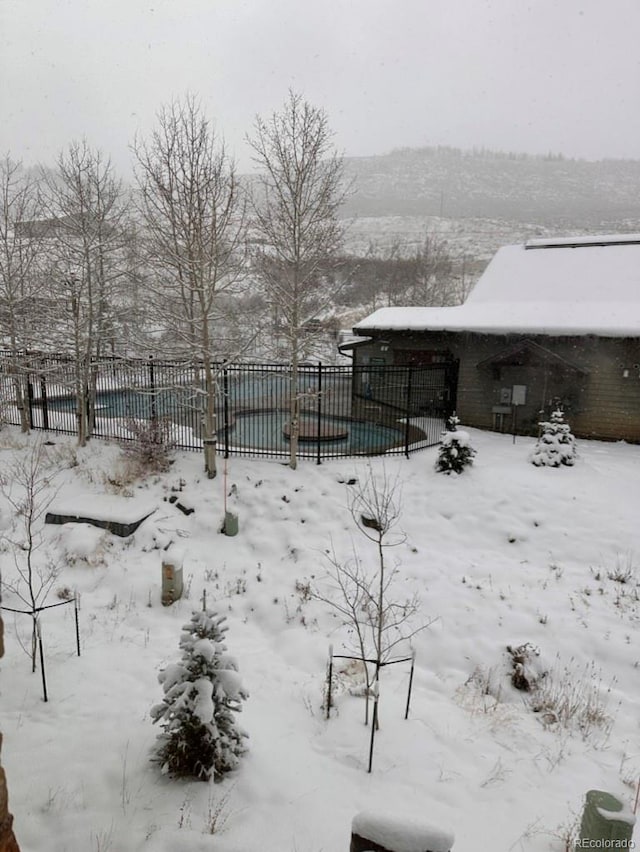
(556, 445)
(201, 694)
(455, 451)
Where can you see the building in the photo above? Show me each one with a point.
(550, 322)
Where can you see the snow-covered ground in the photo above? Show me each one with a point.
(504, 554)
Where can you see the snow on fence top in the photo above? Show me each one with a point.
(401, 834)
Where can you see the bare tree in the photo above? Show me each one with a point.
(18, 274)
(194, 216)
(432, 280)
(364, 598)
(27, 488)
(295, 222)
(87, 242)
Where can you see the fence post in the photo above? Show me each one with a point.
(319, 422)
(413, 663)
(45, 409)
(407, 426)
(329, 682)
(152, 387)
(374, 725)
(225, 408)
(76, 606)
(30, 400)
(42, 671)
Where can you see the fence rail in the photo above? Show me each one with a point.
(344, 410)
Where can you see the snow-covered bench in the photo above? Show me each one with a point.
(371, 832)
(120, 515)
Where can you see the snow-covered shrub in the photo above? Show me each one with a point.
(151, 446)
(556, 445)
(83, 544)
(574, 701)
(455, 451)
(202, 693)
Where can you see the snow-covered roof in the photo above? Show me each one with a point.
(552, 287)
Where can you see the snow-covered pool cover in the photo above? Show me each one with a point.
(568, 288)
(401, 834)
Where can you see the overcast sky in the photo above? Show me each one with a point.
(517, 75)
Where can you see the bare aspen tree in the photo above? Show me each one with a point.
(18, 274)
(193, 214)
(295, 209)
(26, 485)
(364, 597)
(87, 240)
(432, 280)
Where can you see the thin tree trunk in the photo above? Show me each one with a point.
(209, 425)
(380, 630)
(294, 412)
(20, 392)
(21, 404)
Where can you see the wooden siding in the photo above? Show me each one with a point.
(601, 403)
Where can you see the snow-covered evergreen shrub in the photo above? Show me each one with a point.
(556, 445)
(202, 694)
(455, 451)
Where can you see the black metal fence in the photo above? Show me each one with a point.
(344, 410)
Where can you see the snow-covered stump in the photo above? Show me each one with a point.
(371, 832)
(172, 584)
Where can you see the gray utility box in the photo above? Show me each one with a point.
(171, 580)
(606, 818)
(230, 526)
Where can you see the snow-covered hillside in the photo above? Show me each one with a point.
(504, 554)
(552, 190)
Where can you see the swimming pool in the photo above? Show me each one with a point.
(267, 430)
(262, 431)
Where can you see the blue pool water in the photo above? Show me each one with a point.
(264, 430)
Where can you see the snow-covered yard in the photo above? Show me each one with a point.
(504, 554)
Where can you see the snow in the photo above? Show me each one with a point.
(592, 274)
(203, 705)
(506, 554)
(401, 833)
(588, 289)
(460, 437)
(204, 648)
(231, 683)
(606, 319)
(83, 543)
(625, 815)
